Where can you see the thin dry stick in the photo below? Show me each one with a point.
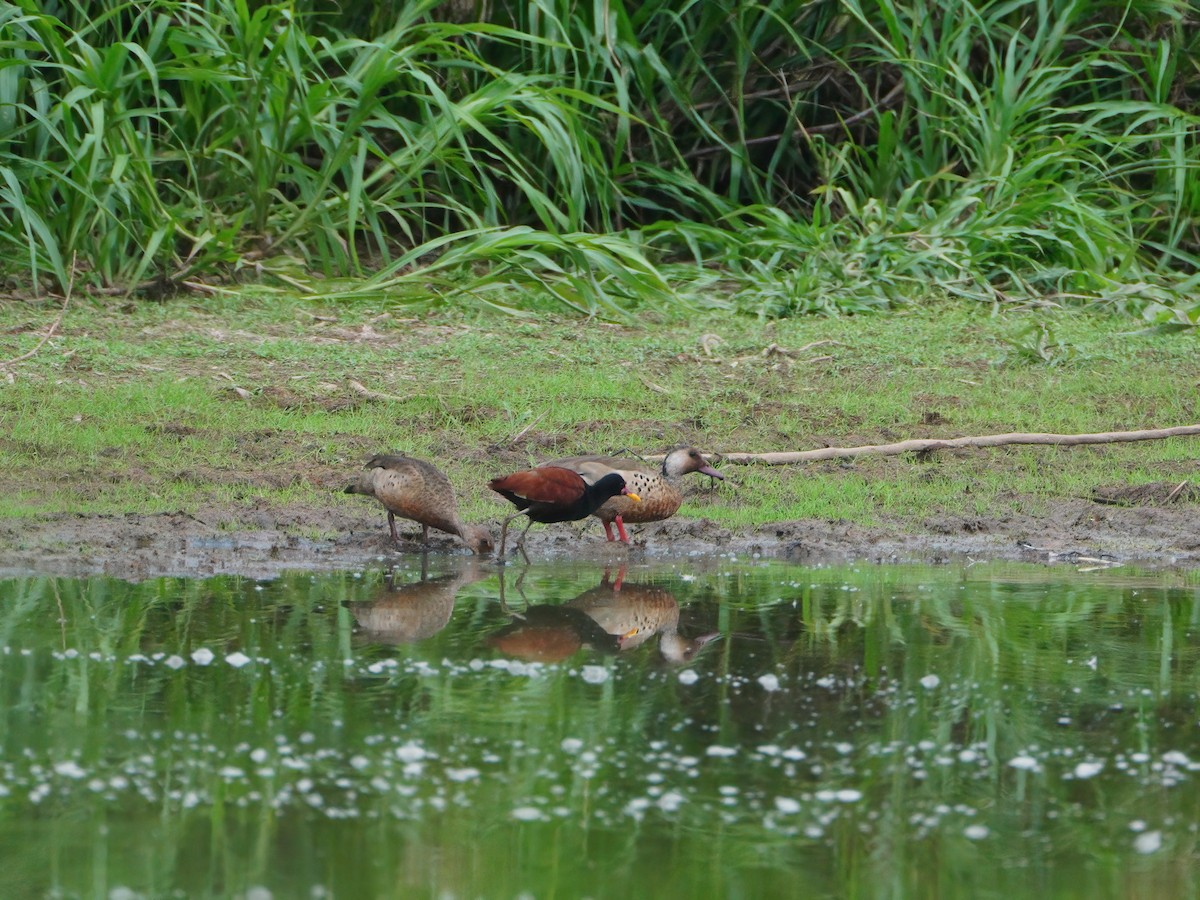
(520, 434)
(49, 334)
(1176, 491)
(927, 446)
(359, 388)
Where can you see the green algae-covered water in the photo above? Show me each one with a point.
(720, 729)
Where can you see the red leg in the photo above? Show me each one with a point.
(621, 531)
(608, 530)
(620, 579)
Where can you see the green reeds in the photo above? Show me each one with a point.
(834, 156)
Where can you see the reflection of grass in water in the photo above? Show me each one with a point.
(915, 686)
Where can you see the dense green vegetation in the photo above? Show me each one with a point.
(779, 157)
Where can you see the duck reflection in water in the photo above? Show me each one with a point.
(406, 613)
(634, 613)
(548, 633)
(611, 617)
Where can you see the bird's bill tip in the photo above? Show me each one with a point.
(710, 471)
(632, 496)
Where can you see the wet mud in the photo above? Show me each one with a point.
(1148, 531)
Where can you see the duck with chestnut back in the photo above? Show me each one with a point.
(661, 491)
(554, 494)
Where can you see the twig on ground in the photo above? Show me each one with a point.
(1175, 491)
(926, 446)
(46, 337)
(520, 434)
(235, 387)
(657, 388)
(360, 388)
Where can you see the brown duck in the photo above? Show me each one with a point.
(660, 492)
(634, 613)
(417, 490)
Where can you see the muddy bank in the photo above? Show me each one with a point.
(261, 542)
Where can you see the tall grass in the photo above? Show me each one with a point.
(829, 155)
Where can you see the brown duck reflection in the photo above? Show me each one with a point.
(633, 613)
(613, 616)
(403, 614)
(550, 634)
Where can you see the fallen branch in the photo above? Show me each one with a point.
(930, 446)
(361, 389)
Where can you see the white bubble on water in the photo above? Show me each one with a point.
(203, 656)
(571, 745)
(1176, 758)
(466, 773)
(636, 807)
(410, 752)
(769, 682)
(1148, 842)
(976, 832)
(594, 674)
(1137, 825)
(787, 805)
(528, 814)
(718, 750)
(929, 682)
(359, 762)
(687, 676)
(237, 659)
(671, 801)
(1024, 762)
(849, 795)
(1088, 769)
(174, 661)
(69, 769)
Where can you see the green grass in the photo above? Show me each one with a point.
(133, 408)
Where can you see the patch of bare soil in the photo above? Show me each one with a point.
(260, 542)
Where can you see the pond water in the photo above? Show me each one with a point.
(724, 728)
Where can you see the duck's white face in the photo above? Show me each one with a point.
(689, 459)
